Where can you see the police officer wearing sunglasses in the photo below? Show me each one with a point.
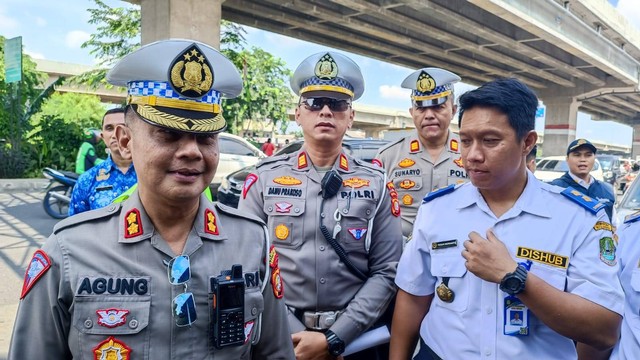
(429, 158)
(166, 274)
(333, 219)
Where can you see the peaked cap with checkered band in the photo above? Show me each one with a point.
(430, 86)
(178, 84)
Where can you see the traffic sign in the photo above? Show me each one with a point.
(13, 59)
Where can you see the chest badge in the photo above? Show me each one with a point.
(287, 181)
(459, 162)
(283, 207)
(406, 162)
(112, 317)
(111, 349)
(355, 182)
(358, 233)
(282, 232)
(102, 175)
(444, 293)
(407, 184)
(407, 199)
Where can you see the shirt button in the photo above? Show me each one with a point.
(322, 215)
(321, 247)
(489, 310)
(296, 210)
(133, 323)
(444, 269)
(345, 211)
(487, 352)
(270, 208)
(254, 311)
(88, 324)
(368, 212)
(322, 281)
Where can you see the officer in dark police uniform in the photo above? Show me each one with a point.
(158, 276)
(333, 219)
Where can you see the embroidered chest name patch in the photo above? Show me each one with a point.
(543, 257)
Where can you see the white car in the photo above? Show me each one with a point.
(235, 153)
(552, 167)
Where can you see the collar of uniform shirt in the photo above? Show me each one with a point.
(584, 184)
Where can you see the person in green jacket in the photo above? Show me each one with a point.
(87, 158)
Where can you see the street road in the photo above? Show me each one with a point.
(24, 226)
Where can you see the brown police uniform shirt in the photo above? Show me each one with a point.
(107, 291)
(409, 166)
(285, 192)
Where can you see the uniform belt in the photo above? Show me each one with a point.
(317, 320)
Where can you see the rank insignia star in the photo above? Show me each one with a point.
(210, 226)
(132, 224)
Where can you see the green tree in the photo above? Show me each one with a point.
(57, 128)
(266, 96)
(15, 98)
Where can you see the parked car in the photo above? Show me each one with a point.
(610, 167)
(629, 203)
(552, 167)
(235, 153)
(231, 186)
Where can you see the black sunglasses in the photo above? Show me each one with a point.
(183, 305)
(318, 103)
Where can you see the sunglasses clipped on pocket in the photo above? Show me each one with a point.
(183, 305)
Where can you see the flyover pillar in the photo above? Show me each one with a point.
(560, 124)
(190, 19)
(635, 147)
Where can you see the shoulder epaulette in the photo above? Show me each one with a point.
(228, 210)
(87, 216)
(387, 146)
(439, 192)
(272, 159)
(583, 200)
(632, 217)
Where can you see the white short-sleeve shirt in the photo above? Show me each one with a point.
(560, 236)
(629, 250)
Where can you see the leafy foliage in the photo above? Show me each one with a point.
(266, 96)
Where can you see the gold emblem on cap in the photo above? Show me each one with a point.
(191, 74)
(326, 68)
(444, 293)
(425, 83)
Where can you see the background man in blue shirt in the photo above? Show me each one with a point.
(98, 186)
(581, 155)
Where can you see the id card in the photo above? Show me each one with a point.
(516, 317)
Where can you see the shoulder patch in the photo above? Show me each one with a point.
(109, 210)
(377, 163)
(248, 182)
(272, 159)
(37, 267)
(632, 217)
(439, 192)
(369, 166)
(583, 200)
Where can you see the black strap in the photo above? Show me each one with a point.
(342, 253)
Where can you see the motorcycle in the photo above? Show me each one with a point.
(56, 200)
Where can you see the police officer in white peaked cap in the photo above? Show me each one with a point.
(429, 158)
(166, 274)
(333, 218)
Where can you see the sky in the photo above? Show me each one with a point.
(55, 30)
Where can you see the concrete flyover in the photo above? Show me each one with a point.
(577, 54)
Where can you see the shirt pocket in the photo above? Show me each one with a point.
(634, 298)
(452, 266)
(285, 221)
(555, 277)
(355, 217)
(121, 319)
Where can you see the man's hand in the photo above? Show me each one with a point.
(310, 345)
(487, 258)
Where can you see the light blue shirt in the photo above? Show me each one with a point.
(629, 250)
(98, 186)
(541, 224)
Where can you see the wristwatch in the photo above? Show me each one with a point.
(513, 283)
(336, 345)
